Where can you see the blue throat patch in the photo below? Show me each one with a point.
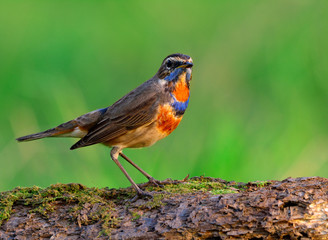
(174, 75)
(179, 107)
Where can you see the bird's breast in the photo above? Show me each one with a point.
(166, 119)
(170, 114)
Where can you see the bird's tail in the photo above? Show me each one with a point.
(62, 130)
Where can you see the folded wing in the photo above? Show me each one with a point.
(136, 109)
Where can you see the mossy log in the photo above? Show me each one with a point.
(198, 208)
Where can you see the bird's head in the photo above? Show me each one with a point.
(174, 65)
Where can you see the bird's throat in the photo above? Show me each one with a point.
(181, 89)
(180, 94)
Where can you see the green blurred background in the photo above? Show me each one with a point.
(259, 93)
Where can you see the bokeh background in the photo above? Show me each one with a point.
(259, 94)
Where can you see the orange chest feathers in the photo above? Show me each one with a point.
(166, 120)
(181, 90)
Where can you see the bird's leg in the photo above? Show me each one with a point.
(150, 178)
(114, 155)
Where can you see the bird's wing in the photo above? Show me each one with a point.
(136, 109)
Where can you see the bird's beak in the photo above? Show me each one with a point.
(186, 65)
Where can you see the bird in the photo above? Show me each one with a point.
(139, 119)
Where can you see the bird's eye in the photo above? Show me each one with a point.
(169, 63)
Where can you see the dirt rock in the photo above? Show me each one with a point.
(289, 209)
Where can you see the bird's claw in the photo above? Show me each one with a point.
(155, 182)
(141, 194)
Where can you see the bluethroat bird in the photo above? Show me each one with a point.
(139, 119)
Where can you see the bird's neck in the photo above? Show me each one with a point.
(180, 94)
(180, 88)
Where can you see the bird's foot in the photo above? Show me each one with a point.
(141, 195)
(153, 181)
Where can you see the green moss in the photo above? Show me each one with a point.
(199, 184)
(156, 201)
(7, 200)
(109, 220)
(135, 215)
(261, 184)
(222, 191)
(89, 205)
(191, 186)
(44, 209)
(43, 202)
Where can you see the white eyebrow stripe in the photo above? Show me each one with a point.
(174, 59)
(170, 58)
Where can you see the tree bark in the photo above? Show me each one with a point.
(288, 209)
